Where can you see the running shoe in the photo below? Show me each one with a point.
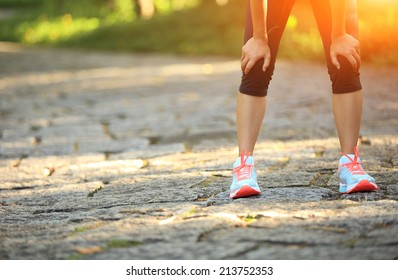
(244, 181)
(352, 176)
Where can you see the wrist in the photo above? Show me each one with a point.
(261, 36)
(338, 33)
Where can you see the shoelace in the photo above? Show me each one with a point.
(354, 167)
(244, 170)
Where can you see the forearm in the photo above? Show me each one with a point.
(259, 17)
(338, 8)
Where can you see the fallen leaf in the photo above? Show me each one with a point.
(88, 250)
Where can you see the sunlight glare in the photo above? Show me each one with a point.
(222, 2)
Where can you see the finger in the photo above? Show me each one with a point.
(357, 58)
(358, 49)
(244, 63)
(267, 60)
(249, 66)
(242, 56)
(335, 62)
(352, 61)
(357, 45)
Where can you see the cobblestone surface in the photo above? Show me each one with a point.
(119, 156)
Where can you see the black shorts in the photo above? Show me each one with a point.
(344, 80)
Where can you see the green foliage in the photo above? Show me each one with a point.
(124, 10)
(183, 26)
(179, 32)
(19, 3)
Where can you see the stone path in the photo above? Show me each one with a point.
(118, 156)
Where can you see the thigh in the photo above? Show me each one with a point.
(256, 81)
(346, 79)
(323, 16)
(278, 12)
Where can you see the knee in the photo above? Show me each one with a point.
(256, 82)
(346, 79)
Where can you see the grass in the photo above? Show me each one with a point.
(119, 243)
(191, 27)
(87, 227)
(75, 257)
(250, 219)
(191, 212)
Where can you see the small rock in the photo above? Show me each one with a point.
(364, 140)
(15, 163)
(48, 171)
(140, 163)
(36, 140)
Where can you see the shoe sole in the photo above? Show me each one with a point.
(244, 191)
(362, 186)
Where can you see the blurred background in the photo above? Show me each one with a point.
(182, 26)
(98, 147)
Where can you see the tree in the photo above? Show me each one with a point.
(145, 8)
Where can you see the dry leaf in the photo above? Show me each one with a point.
(88, 250)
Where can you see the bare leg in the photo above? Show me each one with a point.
(347, 110)
(249, 117)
